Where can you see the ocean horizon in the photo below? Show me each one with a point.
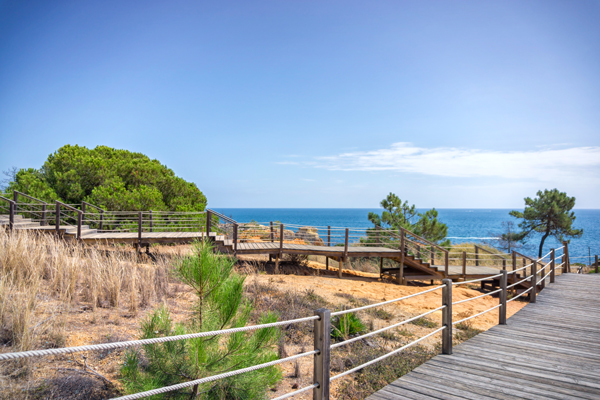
(478, 225)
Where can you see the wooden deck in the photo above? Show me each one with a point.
(548, 350)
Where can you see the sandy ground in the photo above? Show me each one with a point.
(84, 326)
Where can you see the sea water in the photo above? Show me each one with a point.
(464, 225)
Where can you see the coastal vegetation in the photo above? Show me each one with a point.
(116, 180)
(57, 293)
(397, 214)
(219, 304)
(548, 214)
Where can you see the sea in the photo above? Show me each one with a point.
(464, 225)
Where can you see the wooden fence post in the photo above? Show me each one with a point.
(101, 219)
(322, 343)
(208, 223)
(476, 256)
(552, 266)
(447, 316)
(400, 276)
(596, 264)
(432, 256)
(514, 261)
(328, 236)
(503, 296)
(57, 218)
(15, 199)
(503, 264)
(44, 211)
(79, 222)
(464, 265)
(446, 263)
(272, 233)
(139, 232)
(377, 234)
(533, 294)
(235, 239)
(151, 222)
(346, 244)
(567, 259)
(11, 214)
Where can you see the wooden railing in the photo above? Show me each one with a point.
(322, 347)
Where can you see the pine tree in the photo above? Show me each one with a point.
(397, 214)
(219, 305)
(548, 214)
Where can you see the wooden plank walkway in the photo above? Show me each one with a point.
(548, 350)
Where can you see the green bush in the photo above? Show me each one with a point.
(109, 178)
(219, 305)
(347, 325)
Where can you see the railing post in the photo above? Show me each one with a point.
(79, 222)
(83, 209)
(57, 218)
(322, 343)
(514, 261)
(400, 276)
(346, 243)
(446, 263)
(377, 234)
(567, 260)
(44, 211)
(281, 229)
(552, 266)
(152, 222)
(208, 223)
(432, 257)
(476, 256)
(101, 219)
(15, 199)
(447, 316)
(11, 216)
(272, 233)
(464, 265)
(328, 236)
(596, 264)
(503, 264)
(139, 231)
(533, 295)
(503, 296)
(235, 239)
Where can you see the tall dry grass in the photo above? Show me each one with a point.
(43, 277)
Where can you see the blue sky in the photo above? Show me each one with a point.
(315, 103)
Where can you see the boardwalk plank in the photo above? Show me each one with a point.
(548, 350)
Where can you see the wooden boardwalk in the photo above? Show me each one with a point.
(548, 350)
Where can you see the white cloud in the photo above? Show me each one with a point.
(547, 164)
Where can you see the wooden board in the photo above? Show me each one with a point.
(548, 350)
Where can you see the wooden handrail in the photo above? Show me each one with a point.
(68, 206)
(221, 216)
(85, 203)
(492, 253)
(17, 193)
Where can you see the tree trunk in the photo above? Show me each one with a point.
(543, 240)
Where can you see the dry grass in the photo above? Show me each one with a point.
(42, 278)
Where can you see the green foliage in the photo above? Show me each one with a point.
(397, 214)
(549, 214)
(110, 178)
(424, 322)
(346, 326)
(219, 305)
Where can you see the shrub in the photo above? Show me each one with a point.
(347, 325)
(219, 305)
(424, 322)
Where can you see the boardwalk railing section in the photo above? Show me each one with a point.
(556, 260)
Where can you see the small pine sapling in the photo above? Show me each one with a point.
(219, 305)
